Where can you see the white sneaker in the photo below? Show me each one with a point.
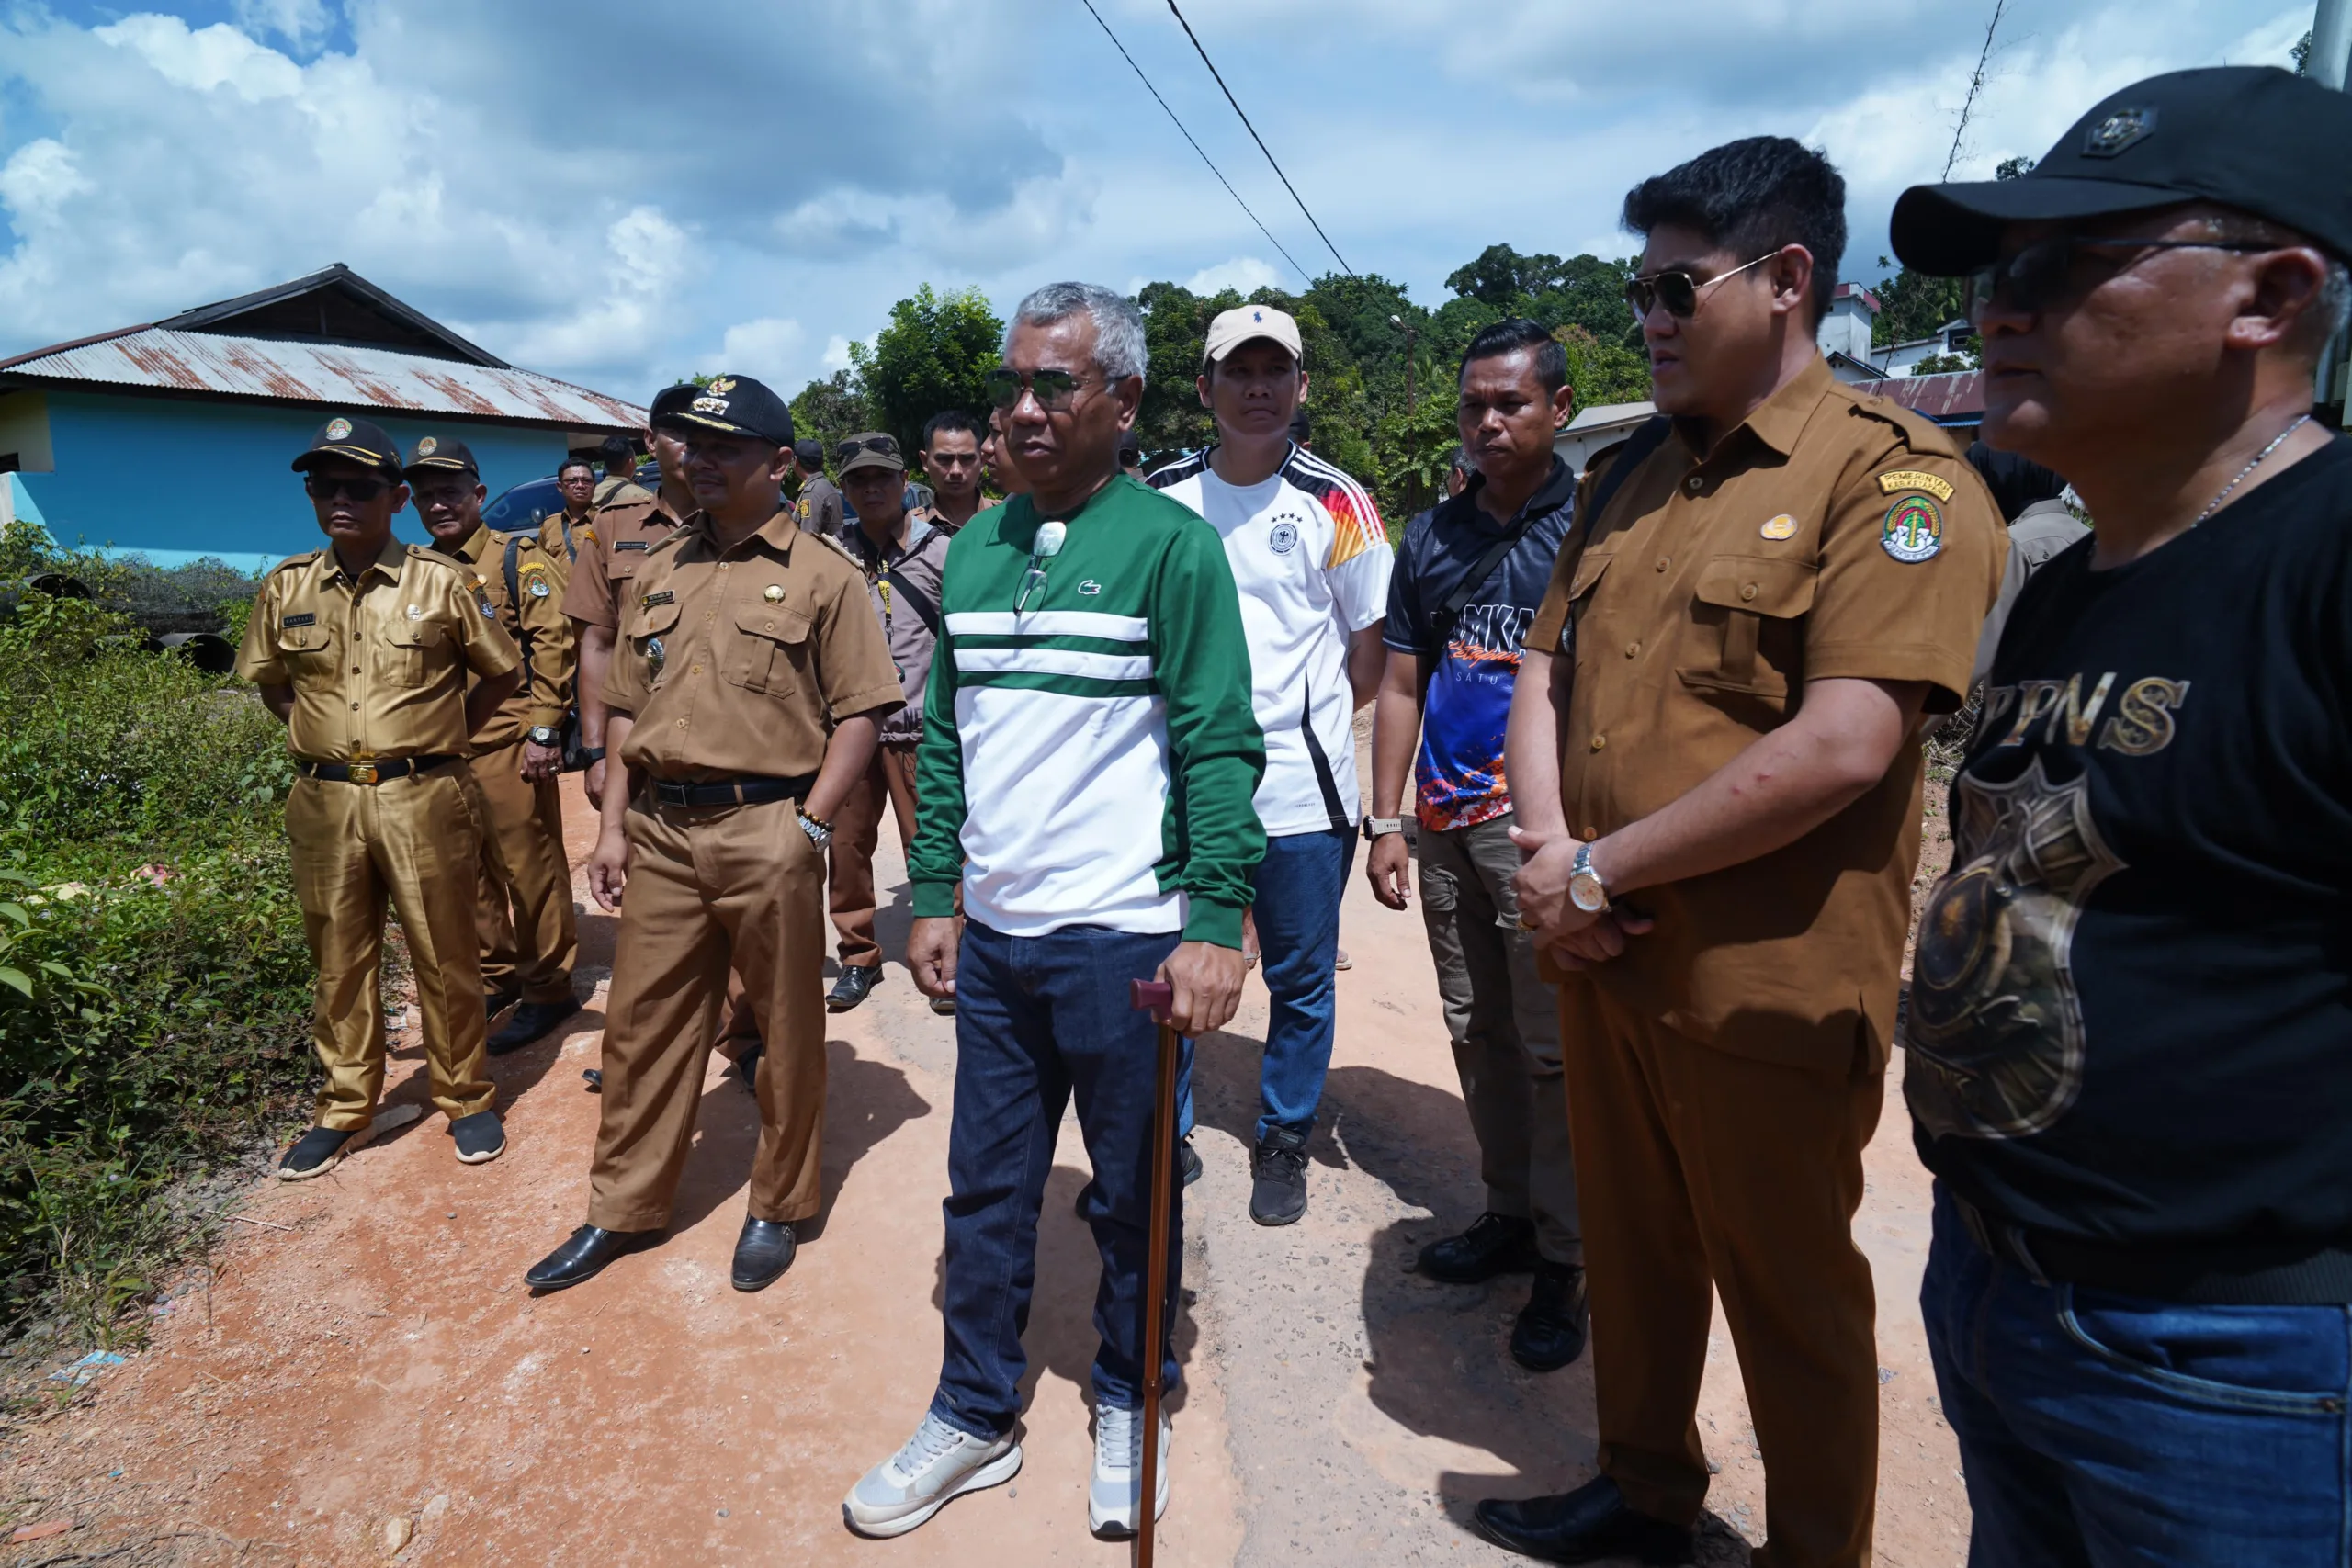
(1118, 1471)
(938, 1463)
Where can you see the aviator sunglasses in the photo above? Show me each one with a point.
(2038, 277)
(1678, 290)
(1054, 390)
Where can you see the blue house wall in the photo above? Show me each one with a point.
(176, 477)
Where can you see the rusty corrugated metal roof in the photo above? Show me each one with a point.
(343, 376)
(1954, 396)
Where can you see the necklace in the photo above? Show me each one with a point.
(2215, 504)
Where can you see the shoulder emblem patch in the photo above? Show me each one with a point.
(1914, 529)
(1912, 479)
(488, 610)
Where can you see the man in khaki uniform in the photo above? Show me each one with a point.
(744, 700)
(619, 486)
(522, 911)
(365, 649)
(575, 480)
(1714, 747)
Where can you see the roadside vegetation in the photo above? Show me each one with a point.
(153, 980)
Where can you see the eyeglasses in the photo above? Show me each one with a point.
(1678, 290)
(344, 489)
(1054, 390)
(2038, 277)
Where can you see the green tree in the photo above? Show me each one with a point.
(1944, 364)
(931, 357)
(831, 409)
(1602, 372)
(1912, 306)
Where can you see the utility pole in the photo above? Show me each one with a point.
(2331, 52)
(1412, 426)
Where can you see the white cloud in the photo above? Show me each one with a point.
(207, 58)
(836, 354)
(773, 349)
(1244, 275)
(299, 22)
(38, 178)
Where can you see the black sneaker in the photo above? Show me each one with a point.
(747, 1068)
(1188, 1161)
(495, 1002)
(1551, 1329)
(531, 1021)
(594, 1078)
(319, 1151)
(1496, 1244)
(1278, 1178)
(852, 988)
(481, 1137)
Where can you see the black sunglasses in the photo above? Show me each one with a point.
(2038, 275)
(1678, 290)
(1054, 390)
(848, 449)
(344, 489)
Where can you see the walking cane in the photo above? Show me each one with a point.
(1157, 997)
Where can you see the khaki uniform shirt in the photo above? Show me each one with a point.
(818, 505)
(379, 664)
(1831, 535)
(560, 537)
(535, 619)
(736, 662)
(612, 549)
(614, 490)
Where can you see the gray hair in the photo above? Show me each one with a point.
(2325, 321)
(1119, 350)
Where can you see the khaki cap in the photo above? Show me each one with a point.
(1235, 327)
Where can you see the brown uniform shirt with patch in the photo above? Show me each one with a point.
(1831, 535)
(379, 664)
(612, 549)
(561, 536)
(534, 618)
(736, 662)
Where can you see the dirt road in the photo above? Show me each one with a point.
(367, 1360)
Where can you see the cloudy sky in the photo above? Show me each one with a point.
(621, 194)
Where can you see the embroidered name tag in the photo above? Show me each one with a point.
(1912, 479)
(663, 597)
(632, 545)
(304, 619)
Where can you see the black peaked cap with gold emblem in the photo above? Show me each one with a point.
(732, 405)
(354, 440)
(432, 454)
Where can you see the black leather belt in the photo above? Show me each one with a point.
(2259, 1275)
(743, 789)
(370, 773)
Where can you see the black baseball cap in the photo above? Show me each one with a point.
(732, 405)
(809, 450)
(2252, 138)
(355, 440)
(670, 399)
(432, 453)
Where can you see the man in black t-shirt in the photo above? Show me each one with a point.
(2130, 1030)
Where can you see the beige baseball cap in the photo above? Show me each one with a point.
(1235, 327)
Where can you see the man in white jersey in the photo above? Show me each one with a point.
(1311, 558)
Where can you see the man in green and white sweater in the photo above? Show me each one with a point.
(1086, 771)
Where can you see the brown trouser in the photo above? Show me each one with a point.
(415, 840)
(707, 888)
(1699, 1168)
(523, 912)
(857, 829)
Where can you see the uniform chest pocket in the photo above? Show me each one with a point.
(406, 652)
(770, 650)
(1747, 631)
(305, 648)
(1590, 567)
(649, 629)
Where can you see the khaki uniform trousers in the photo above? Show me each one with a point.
(416, 841)
(523, 914)
(1700, 1168)
(857, 830)
(711, 888)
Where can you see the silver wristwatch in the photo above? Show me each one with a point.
(1585, 887)
(1381, 827)
(820, 833)
(541, 734)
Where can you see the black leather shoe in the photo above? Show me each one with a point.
(762, 1252)
(1496, 1245)
(584, 1256)
(495, 1002)
(747, 1068)
(531, 1021)
(1551, 1329)
(1583, 1525)
(852, 987)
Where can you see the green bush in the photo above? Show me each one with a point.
(155, 983)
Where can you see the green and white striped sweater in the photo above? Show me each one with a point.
(1089, 757)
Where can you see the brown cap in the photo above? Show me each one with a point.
(1235, 327)
(869, 449)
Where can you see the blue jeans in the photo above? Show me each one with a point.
(2097, 1429)
(1037, 1019)
(1297, 909)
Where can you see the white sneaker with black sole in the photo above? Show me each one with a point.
(938, 1464)
(1118, 1471)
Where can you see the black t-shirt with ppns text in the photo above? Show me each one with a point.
(2131, 1014)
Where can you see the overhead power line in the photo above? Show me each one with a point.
(1257, 139)
(1975, 85)
(1197, 146)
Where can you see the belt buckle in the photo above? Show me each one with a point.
(363, 772)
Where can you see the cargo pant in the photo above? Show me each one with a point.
(711, 888)
(415, 840)
(889, 779)
(523, 917)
